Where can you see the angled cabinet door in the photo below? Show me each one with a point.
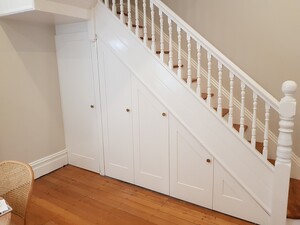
(117, 116)
(151, 151)
(79, 105)
(191, 167)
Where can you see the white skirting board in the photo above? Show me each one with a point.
(295, 173)
(49, 163)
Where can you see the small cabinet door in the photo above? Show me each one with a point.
(78, 94)
(191, 167)
(151, 151)
(117, 116)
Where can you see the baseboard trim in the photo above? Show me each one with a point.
(49, 163)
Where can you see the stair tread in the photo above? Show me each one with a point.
(165, 51)
(259, 146)
(177, 66)
(125, 13)
(224, 111)
(237, 127)
(293, 211)
(204, 95)
(134, 25)
(193, 79)
(149, 38)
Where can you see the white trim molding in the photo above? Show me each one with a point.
(49, 163)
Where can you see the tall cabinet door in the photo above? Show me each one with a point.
(151, 151)
(117, 116)
(80, 109)
(191, 167)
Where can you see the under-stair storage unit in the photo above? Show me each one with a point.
(151, 150)
(116, 91)
(80, 98)
(191, 167)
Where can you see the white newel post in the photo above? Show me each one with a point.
(287, 111)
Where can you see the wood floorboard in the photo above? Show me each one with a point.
(73, 196)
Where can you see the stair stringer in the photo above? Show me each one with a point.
(233, 153)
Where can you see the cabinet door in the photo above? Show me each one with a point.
(82, 130)
(191, 167)
(117, 117)
(151, 152)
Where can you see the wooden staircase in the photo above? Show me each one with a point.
(293, 211)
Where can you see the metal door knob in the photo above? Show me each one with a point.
(127, 110)
(208, 160)
(92, 106)
(164, 114)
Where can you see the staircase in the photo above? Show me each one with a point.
(243, 107)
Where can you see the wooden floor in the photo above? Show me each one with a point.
(72, 196)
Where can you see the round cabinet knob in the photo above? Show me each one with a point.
(208, 160)
(92, 106)
(164, 114)
(127, 110)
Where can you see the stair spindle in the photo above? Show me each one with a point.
(189, 69)
(122, 11)
(145, 21)
(208, 79)
(253, 134)
(198, 89)
(107, 3)
(242, 116)
(114, 7)
(162, 52)
(179, 52)
(231, 84)
(137, 23)
(153, 46)
(129, 22)
(219, 109)
(170, 44)
(266, 131)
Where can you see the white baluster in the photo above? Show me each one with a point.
(170, 44)
(162, 51)
(129, 22)
(231, 84)
(114, 7)
(281, 180)
(122, 11)
(266, 132)
(189, 69)
(242, 116)
(219, 109)
(198, 89)
(208, 79)
(153, 47)
(145, 22)
(137, 23)
(253, 134)
(107, 3)
(179, 52)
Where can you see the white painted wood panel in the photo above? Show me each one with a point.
(230, 198)
(151, 151)
(191, 167)
(117, 117)
(82, 134)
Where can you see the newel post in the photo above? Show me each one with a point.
(287, 111)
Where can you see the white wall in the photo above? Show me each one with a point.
(261, 37)
(31, 125)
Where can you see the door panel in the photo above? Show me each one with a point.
(81, 126)
(191, 167)
(118, 140)
(151, 141)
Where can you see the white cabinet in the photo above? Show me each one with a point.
(117, 117)
(80, 105)
(191, 167)
(151, 145)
